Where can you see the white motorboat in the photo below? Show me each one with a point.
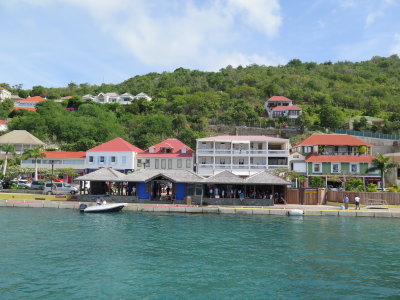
(102, 208)
(295, 212)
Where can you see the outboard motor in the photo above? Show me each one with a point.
(82, 207)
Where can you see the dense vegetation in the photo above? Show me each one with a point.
(184, 101)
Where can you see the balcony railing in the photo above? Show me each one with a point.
(344, 153)
(240, 166)
(242, 152)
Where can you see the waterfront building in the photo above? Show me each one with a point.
(169, 154)
(117, 154)
(277, 106)
(243, 155)
(336, 158)
(59, 160)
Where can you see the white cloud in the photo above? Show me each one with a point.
(372, 17)
(183, 32)
(396, 47)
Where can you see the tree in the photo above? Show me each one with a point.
(317, 181)
(8, 149)
(36, 154)
(331, 117)
(383, 164)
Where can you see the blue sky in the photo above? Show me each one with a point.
(54, 42)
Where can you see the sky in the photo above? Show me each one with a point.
(55, 42)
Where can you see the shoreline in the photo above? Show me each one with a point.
(311, 210)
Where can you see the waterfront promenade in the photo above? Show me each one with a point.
(309, 210)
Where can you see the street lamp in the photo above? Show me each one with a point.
(52, 169)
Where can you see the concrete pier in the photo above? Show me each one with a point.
(309, 210)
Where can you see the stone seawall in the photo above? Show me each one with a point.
(172, 208)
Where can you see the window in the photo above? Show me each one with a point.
(204, 145)
(222, 161)
(241, 161)
(335, 168)
(163, 164)
(113, 159)
(169, 163)
(354, 168)
(139, 163)
(179, 163)
(91, 159)
(147, 164)
(259, 146)
(102, 159)
(157, 162)
(317, 168)
(203, 161)
(188, 163)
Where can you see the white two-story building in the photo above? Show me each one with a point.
(4, 94)
(117, 154)
(242, 155)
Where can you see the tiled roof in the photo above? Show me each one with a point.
(282, 108)
(2, 122)
(20, 137)
(1, 88)
(65, 154)
(117, 144)
(332, 139)
(174, 144)
(103, 174)
(278, 98)
(26, 108)
(265, 177)
(339, 158)
(224, 138)
(33, 99)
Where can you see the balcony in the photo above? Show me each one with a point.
(240, 167)
(345, 153)
(219, 152)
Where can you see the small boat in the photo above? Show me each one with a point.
(295, 212)
(102, 208)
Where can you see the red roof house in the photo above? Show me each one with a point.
(117, 144)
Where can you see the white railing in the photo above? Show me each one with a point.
(242, 152)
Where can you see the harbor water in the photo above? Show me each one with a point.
(62, 254)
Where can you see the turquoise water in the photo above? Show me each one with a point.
(61, 254)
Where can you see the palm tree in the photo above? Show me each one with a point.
(36, 154)
(384, 165)
(8, 149)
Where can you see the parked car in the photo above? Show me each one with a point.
(23, 184)
(37, 185)
(57, 188)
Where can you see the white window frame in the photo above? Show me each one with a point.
(139, 163)
(113, 159)
(102, 159)
(338, 169)
(157, 163)
(358, 168)
(320, 168)
(179, 163)
(188, 163)
(91, 159)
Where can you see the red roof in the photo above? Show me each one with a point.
(26, 108)
(116, 144)
(333, 140)
(175, 147)
(65, 154)
(2, 122)
(339, 158)
(282, 108)
(33, 99)
(279, 98)
(1, 88)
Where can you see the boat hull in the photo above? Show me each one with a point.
(104, 208)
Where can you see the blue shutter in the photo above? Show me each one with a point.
(123, 160)
(116, 160)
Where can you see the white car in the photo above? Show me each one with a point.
(59, 188)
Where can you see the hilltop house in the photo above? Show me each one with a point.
(4, 94)
(169, 154)
(242, 155)
(28, 103)
(335, 157)
(3, 125)
(123, 99)
(277, 106)
(117, 154)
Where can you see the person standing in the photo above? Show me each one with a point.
(346, 201)
(133, 190)
(357, 202)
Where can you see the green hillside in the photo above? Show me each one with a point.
(184, 101)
